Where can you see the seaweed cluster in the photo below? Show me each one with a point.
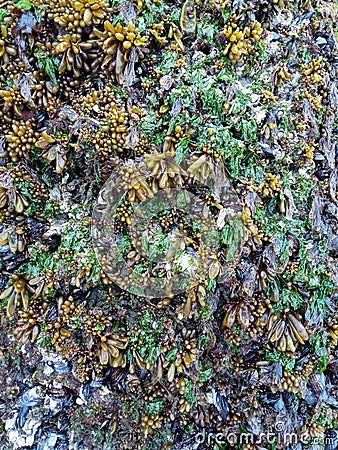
(190, 146)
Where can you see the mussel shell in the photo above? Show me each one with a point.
(322, 174)
(11, 262)
(116, 379)
(61, 394)
(58, 364)
(29, 397)
(3, 280)
(222, 405)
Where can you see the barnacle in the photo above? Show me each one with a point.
(209, 261)
(21, 289)
(91, 11)
(119, 45)
(54, 148)
(95, 322)
(166, 172)
(27, 327)
(185, 404)
(139, 3)
(75, 55)
(196, 293)
(110, 347)
(44, 94)
(333, 332)
(136, 184)
(13, 235)
(219, 5)
(157, 30)
(312, 72)
(313, 430)
(109, 131)
(15, 199)
(286, 330)
(308, 150)
(241, 312)
(240, 42)
(73, 14)
(189, 354)
(176, 34)
(188, 20)
(202, 168)
(12, 100)
(12, 198)
(255, 232)
(149, 424)
(21, 139)
(282, 75)
(270, 187)
(7, 49)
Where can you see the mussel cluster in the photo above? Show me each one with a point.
(168, 224)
